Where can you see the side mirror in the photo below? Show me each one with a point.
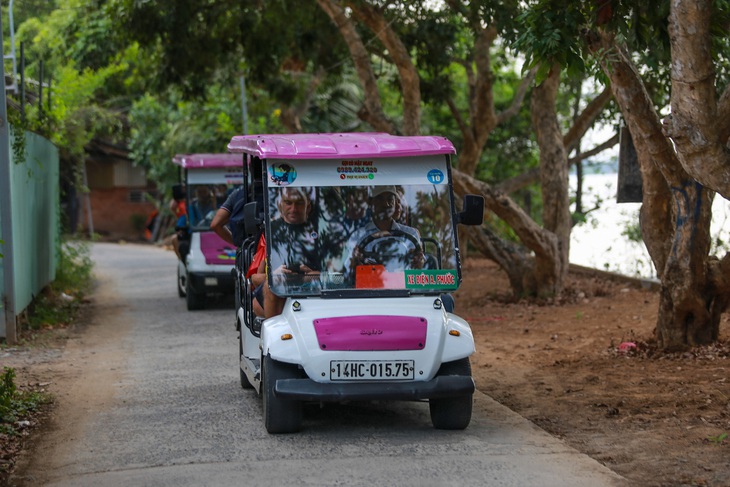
(252, 218)
(473, 210)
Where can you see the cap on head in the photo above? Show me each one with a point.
(378, 190)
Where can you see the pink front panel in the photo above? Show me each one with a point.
(371, 333)
(216, 250)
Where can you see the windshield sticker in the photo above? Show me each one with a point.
(435, 176)
(282, 174)
(359, 172)
(357, 169)
(432, 279)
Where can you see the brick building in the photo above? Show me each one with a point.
(121, 198)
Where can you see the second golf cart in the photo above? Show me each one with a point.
(206, 260)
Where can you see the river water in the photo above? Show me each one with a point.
(601, 244)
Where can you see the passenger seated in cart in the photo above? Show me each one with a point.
(257, 275)
(294, 255)
(383, 240)
(293, 236)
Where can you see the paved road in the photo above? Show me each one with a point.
(152, 398)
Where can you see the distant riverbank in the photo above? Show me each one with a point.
(601, 243)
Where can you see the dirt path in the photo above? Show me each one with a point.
(656, 420)
(83, 379)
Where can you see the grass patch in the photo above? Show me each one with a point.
(59, 302)
(16, 405)
(23, 406)
(20, 411)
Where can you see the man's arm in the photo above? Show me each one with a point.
(218, 225)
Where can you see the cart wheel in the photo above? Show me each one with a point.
(180, 284)
(280, 416)
(452, 413)
(192, 299)
(245, 384)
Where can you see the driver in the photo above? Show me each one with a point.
(203, 205)
(383, 240)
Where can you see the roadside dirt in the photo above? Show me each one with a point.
(657, 420)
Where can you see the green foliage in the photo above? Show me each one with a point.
(718, 439)
(78, 117)
(167, 124)
(16, 405)
(632, 231)
(547, 37)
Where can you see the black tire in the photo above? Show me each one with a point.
(452, 413)
(180, 284)
(194, 301)
(280, 416)
(245, 384)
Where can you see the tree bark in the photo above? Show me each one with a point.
(693, 124)
(291, 116)
(372, 109)
(675, 216)
(407, 73)
(543, 243)
(551, 270)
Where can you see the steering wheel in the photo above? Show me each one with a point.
(374, 257)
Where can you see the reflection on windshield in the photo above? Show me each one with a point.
(203, 202)
(381, 237)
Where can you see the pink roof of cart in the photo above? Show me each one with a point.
(334, 146)
(207, 161)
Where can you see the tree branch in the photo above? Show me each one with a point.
(533, 175)
(372, 110)
(596, 150)
(723, 117)
(407, 73)
(585, 120)
(534, 237)
(519, 97)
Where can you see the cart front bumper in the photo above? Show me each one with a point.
(439, 387)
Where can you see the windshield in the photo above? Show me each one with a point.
(206, 191)
(364, 236)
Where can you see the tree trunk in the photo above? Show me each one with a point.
(511, 258)
(693, 125)
(551, 270)
(372, 109)
(675, 215)
(543, 243)
(686, 298)
(407, 73)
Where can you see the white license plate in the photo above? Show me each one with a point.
(210, 281)
(371, 370)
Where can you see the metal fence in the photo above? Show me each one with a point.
(35, 207)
